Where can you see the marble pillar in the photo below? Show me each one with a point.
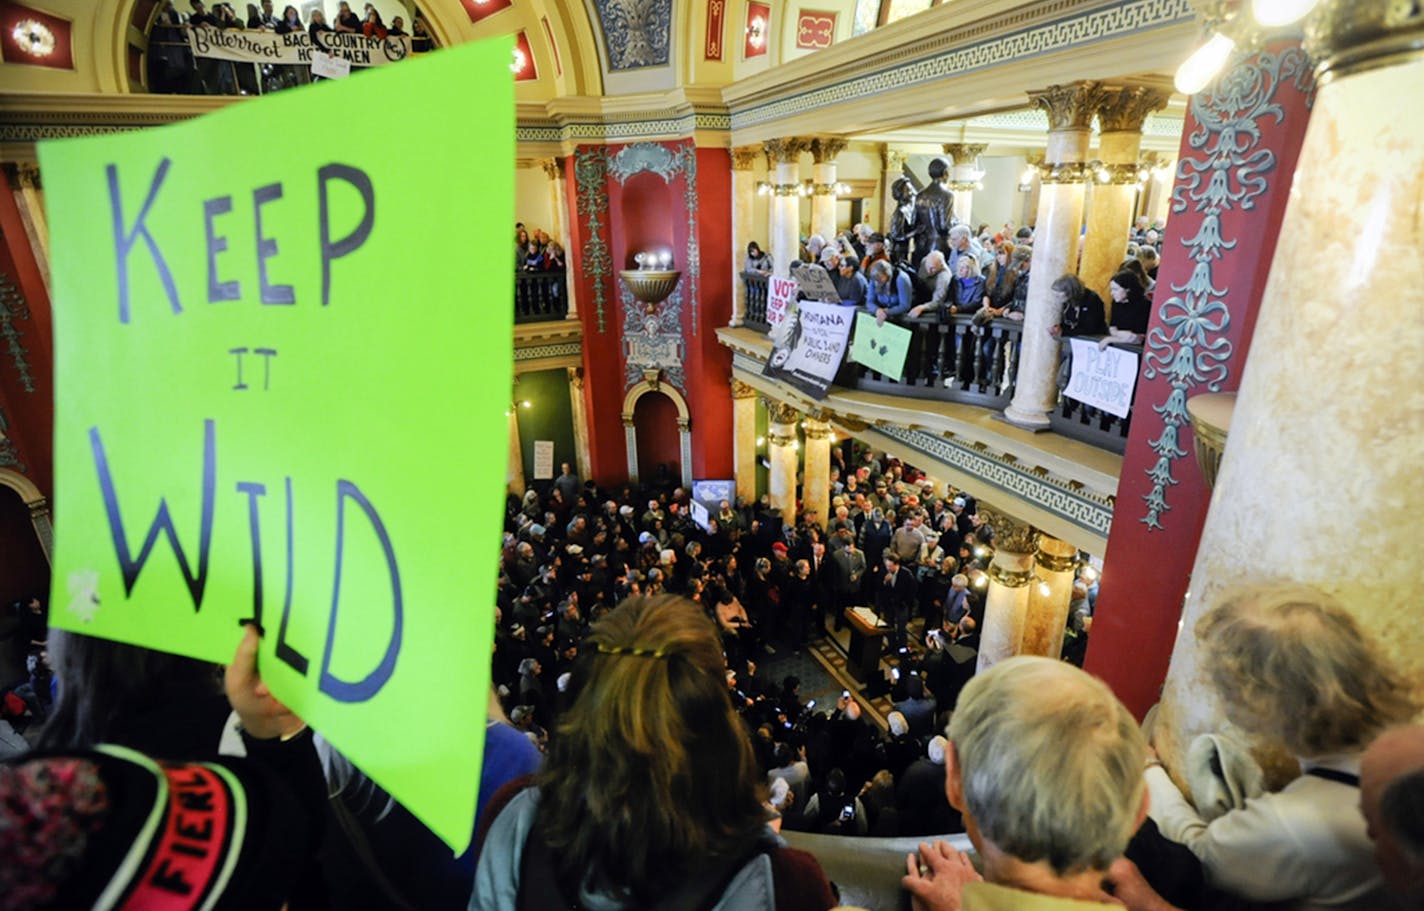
(823, 177)
(1356, 195)
(744, 447)
(1070, 111)
(965, 177)
(1005, 605)
(1035, 187)
(893, 161)
(785, 201)
(579, 415)
(743, 223)
(1120, 118)
(816, 470)
(559, 205)
(782, 451)
(1049, 596)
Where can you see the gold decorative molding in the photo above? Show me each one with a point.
(1055, 556)
(575, 378)
(786, 150)
(1210, 414)
(1071, 106)
(816, 430)
(1348, 36)
(1011, 537)
(826, 148)
(780, 412)
(553, 167)
(964, 153)
(1124, 109)
(893, 159)
(741, 390)
(744, 157)
(1009, 578)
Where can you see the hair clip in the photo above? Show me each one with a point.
(635, 652)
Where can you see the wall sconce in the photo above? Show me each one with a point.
(1197, 71)
(521, 403)
(756, 33)
(653, 280)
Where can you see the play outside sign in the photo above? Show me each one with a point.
(272, 401)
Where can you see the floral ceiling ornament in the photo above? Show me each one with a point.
(1188, 346)
(33, 37)
(636, 33)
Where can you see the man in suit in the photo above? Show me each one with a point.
(848, 562)
(896, 598)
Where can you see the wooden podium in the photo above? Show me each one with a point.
(867, 642)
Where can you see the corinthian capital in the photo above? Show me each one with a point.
(744, 157)
(553, 167)
(1125, 109)
(964, 153)
(780, 412)
(787, 150)
(1069, 107)
(826, 148)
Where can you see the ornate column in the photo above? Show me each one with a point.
(1120, 118)
(823, 178)
(965, 177)
(1035, 187)
(559, 205)
(744, 448)
(781, 450)
(894, 162)
(1356, 186)
(44, 527)
(580, 419)
(743, 223)
(514, 477)
(1070, 111)
(785, 237)
(29, 199)
(1006, 603)
(1049, 597)
(816, 469)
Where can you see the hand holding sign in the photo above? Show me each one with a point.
(223, 344)
(880, 346)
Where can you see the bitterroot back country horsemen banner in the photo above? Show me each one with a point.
(295, 48)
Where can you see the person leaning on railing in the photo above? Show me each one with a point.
(851, 286)
(1130, 312)
(999, 278)
(891, 291)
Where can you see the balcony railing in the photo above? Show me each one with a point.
(756, 285)
(540, 297)
(956, 361)
(1083, 422)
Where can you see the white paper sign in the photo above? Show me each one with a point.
(808, 347)
(698, 513)
(329, 67)
(543, 459)
(1103, 379)
(780, 293)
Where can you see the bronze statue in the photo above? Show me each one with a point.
(938, 204)
(911, 233)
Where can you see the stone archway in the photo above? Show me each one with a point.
(38, 505)
(684, 425)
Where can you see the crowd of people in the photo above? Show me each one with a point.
(173, 69)
(536, 251)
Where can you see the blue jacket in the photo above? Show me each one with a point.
(896, 296)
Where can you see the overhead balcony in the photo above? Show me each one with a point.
(545, 335)
(947, 407)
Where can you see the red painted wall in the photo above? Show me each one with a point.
(31, 413)
(1157, 522)
(646, 212)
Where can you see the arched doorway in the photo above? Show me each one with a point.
(648, 426)
(659, 452)
(24, 571)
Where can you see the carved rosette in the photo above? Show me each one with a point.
(1071, 106)
(826, 148)
(787, 150)
(1124, 109)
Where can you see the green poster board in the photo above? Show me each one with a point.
(281, 383)
(881, 348)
